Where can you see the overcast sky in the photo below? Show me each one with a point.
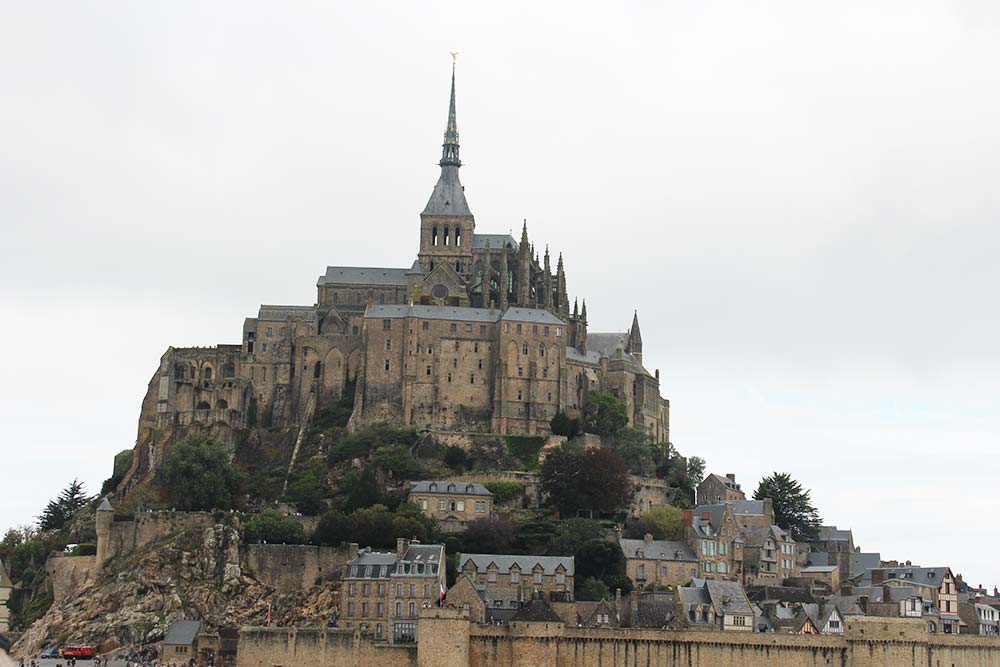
(799, 198)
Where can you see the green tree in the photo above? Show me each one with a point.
(491, 536)
(197, 475)
(456, 458)
(575, 479)
(273, 527)
(590, 588)
(307, 487)
(793, 509)
(561, 424)
(360, 489)
(604, 414)
(599, 559)
(664, 522)
(26, 556)
(372, 526)
(395, 461)
(570, 536)
(695, 470)
(632, 444)
(334, 529)
(60, 511)
(123, 461)
(504, 492)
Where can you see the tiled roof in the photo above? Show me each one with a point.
(423, 553)
(458, 313)
(505, 562)
(462, 488)
(537, 315)
(655, 609)
(536, 610)
(657, 549)
(764, 594)
(363, 275)
(182, 633)
(728, 597)
(281, 313)
(496, 241)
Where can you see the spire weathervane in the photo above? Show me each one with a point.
(449, 150)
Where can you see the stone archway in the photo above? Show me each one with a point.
(333, 374)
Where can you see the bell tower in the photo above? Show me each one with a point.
(447, 226)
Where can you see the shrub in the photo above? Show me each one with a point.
(590, 589)
(456, 458)
(504, 492)
(84, 549)
(274, 528)
(561, 424)
(525, 448)
(197, 475)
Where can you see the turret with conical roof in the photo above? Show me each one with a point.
(634, 343)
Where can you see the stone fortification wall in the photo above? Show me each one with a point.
(68, 573)
(128, 534)
(292, 568)
(447, 639)
(317, 647)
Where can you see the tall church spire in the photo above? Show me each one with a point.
(449, 151)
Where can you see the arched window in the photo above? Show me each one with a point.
(208, 373)
(316, 370)
(203, 405)
(446, 236)
(230, 370)
(458, 267)
(458, 236)
(541, 349)
(524, 349)
(221, 404)
(434, 236)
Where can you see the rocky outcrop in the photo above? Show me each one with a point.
(198, 573)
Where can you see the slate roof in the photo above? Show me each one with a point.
(863, 563)
(496, 241)
(728, 597)
(655, 609)
(604, 344)
(818, 558)
(448, 196)
(926, 576)
(457, 313)
(657, 549)
(764, 594)
(538, 315)
(730, 484)
(381, 563)
(363, 275)
(820, 614)
(833, 534)
(590, 357)
(182, 633)
(526, 563)
(536, 610)
(755, 537)
(281, 313)
(423, 553)
(873, 593)
(900, 593)
(819, 569)
(716, 512)
(462, 488)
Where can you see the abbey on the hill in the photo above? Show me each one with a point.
(476, 336)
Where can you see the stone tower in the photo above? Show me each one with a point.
(105, 516)
(447, 226)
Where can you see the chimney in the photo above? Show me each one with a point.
(401, 544)
(908, 563)
(731, 477)
(647, 538)
(688, 518)
(352, 551)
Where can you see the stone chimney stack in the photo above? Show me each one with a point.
(648, 538)
(731, 477)
(401, 545)
(689, 518)
(352, 550)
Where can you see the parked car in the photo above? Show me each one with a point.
(50, 652)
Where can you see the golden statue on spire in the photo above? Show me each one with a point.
(454, 55)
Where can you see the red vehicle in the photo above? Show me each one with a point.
(79, 652)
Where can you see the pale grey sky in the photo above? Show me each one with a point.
(800, 198)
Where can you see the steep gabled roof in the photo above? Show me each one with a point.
(182, 633)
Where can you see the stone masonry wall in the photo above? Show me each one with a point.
(291, 568)
(67, 573)
(447, 639)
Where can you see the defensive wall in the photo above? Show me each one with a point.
(447, 639)
(291, 568)
(67, 573)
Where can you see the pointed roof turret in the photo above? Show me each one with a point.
(634, 337)
(449, 151)
(583, 313)
(448, 197)
(524, 234)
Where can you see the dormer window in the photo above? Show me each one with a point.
(433, 486)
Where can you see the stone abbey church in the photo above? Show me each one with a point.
(477, 335)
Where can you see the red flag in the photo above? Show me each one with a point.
(269, 614)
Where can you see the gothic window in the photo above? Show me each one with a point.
(524, 349)
(541, 349)
(203, 405)
(316, 370)
(446, 236)
(458, 267)
(534, 329)
(454, 363)
(208, 373)
(519, 330)
(434, 238)
(458, 236)
(520, 371)
(230, 370)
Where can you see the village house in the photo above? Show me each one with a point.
(935, 585)
(658, 563)
(715, 489)
(769, 556)
(508, 581)
(452, 504)
(829, 575)
(382, 593)
(713, 533)
(188, 641)
(718, 605)
(839, 545)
